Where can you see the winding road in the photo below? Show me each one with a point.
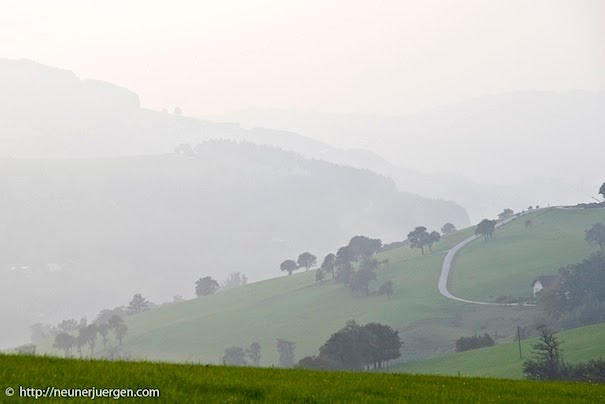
(446, 268)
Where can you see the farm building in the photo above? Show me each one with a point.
(545, 282)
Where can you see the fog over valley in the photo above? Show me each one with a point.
(303, 201)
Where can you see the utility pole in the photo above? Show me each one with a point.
(519, 337)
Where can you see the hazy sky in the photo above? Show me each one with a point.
(374, 56)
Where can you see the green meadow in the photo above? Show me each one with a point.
(507, 264)
(302, 310)
(579, 345)
(185, 383)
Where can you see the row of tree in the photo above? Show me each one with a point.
(305, 260)
(87, 336)
(474, 342)
(356, 347)
(238, 356)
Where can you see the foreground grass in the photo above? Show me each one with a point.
(579, 345)
(196, 383)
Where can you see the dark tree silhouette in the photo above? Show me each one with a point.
(235, 356)
(344, 273)
(329, 263)
(418, 238)
(361, 247)
(486, 228)
(547, 363)
(64, 342)
(602, 190)
(116, 323)
(288, 266)
(138, 304)
(285, 349)
(432, 239)
(89, 336)
(596, 235)
(355, 346)
(103, 329)
(206, 286)
(448, 228)
(306, 260)
(253, 353)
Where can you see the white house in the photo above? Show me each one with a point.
(545, 282)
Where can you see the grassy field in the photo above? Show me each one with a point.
(580, 344)
(195, 383)
(299, 309)
(507, 264)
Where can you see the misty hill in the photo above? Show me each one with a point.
(300, 309)
(109, 228)
(51, 113)
(485, 153)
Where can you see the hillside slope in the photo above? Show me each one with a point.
(299, 309)
(81, 235)
(521, 251)
(579, 345)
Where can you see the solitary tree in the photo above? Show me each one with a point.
(288, 266)
(418, 238)
(306, 260)
(285, 349)
(432, 239)
(486, 228)
(596, 235)
(327, 266)
(235, 356)
(64, 342)
(547, 363)
(138, 304)
(206, 286)
(253, 353)
(386, 289)
(448, 228)
(602, 190)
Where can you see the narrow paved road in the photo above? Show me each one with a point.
(446, 268)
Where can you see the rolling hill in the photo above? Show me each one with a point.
(519, 254)
(579, 345)
(83, 234)
(306, 312)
